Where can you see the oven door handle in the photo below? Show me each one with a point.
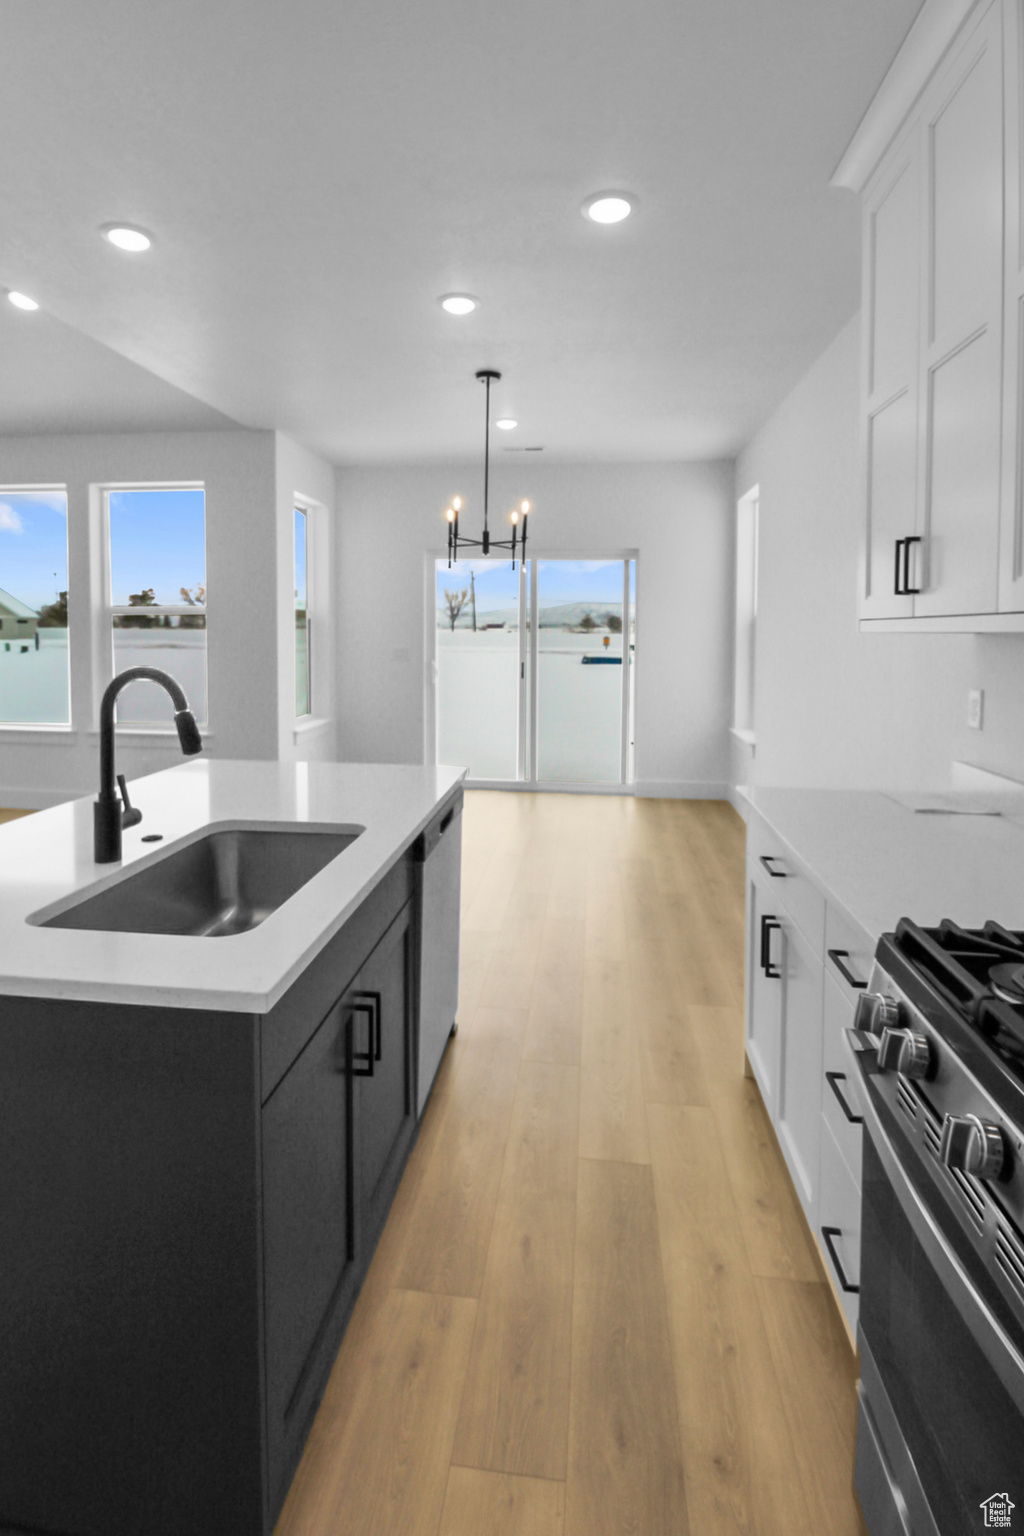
(992, 1339)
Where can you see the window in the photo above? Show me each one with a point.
(34, 686)
(303, 653)
(746, 611)
(158, 595)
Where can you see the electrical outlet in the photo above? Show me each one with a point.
(975, 705)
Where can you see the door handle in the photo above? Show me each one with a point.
(908, 590)
(828, 1233)
(768, 927)
(834, 1079)
(896, 580)
(371, 1000)
(361, 1062)
(837, 956)
(768, 859)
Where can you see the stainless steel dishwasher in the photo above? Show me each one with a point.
(439, 866)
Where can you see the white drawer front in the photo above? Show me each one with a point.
(789, 882)
(838, 1092)
(839, 1223)
(849, 952)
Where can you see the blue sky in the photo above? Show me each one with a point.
(34, 545)
(158, 540)
(300, 559)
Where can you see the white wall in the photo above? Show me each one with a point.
(835, 707)
(679, 517)
(250, 478)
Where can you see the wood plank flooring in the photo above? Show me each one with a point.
(595, 1309)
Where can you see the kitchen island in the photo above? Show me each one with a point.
(200, 1139)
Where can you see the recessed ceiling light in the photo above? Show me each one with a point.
(506, 423)
(608, 207)
(127, 237)
(22, 300)
(458, 303)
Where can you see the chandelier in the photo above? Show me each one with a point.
(487, 543)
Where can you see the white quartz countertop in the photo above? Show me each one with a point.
(879, 861)
(47, 858)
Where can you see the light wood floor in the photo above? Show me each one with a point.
(595, 1309)
(12, 815)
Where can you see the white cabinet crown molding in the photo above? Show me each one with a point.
(934, 28)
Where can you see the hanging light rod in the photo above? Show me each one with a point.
(485, 375)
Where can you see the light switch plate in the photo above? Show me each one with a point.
(975, 706)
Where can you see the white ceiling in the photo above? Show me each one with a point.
(317, 173)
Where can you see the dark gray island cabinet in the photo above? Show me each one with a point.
(190, 1200)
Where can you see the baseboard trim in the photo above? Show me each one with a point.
(681, 789)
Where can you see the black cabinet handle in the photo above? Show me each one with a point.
(446, 822)
(908, 590)
(361, 1062)
(828, 1233)
(768, 927)
(837, 956)
(372, 1000)
(834, 1079)
(767, 859)
(901, 578)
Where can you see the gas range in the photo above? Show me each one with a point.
(945, 1017)
(937, 1061)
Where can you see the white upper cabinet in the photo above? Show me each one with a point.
(942, 422)
(892, 266)
(1011, 552)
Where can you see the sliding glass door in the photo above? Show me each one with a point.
(534, 678)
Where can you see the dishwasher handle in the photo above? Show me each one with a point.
(436, 829)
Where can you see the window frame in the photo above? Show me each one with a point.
(301, 506)
(26, 729)
(111, 610)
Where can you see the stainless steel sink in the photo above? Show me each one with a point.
(225, 882)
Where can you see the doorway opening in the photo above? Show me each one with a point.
(535, 671)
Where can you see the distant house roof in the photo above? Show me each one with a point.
(15, 606)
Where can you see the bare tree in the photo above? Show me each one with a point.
(456, 602)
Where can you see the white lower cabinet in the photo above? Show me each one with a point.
(806, 965)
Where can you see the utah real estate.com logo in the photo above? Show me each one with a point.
(997, 1511)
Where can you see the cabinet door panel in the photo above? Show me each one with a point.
(966, 152)
(892, 498)
(384, 1106)
(962, 527)
(799, 1107)
(307, 1235)
(893, 254)
(764, 995)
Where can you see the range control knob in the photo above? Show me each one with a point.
(875, 1012)
(902, 1050)
(973, 1146)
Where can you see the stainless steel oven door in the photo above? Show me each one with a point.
(941, 1428)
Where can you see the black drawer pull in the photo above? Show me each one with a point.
(828, 1233)
(767, 859)
(768, 927)
(837, 956)
(834, 1079)
(446, 822)
(896, 587)
(361, 1062)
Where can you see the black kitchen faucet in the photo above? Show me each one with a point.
(112, 811)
